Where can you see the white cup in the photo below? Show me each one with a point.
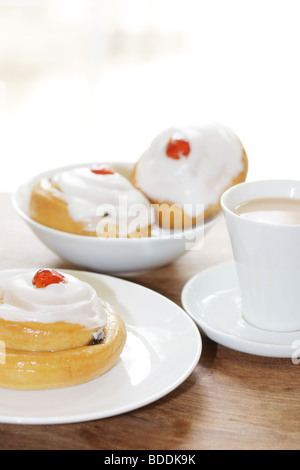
(267, 258)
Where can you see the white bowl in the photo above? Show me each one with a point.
(110, 255)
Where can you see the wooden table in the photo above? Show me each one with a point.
(231, 400)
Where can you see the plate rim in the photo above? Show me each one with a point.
(118, 409)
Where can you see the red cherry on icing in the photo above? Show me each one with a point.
(102, 170)
(45, 277)
(178, 148)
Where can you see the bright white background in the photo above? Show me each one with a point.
(84, 80)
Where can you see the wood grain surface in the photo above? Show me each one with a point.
(232, 400)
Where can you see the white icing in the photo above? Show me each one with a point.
(73, 301)
(89, 196)
(215, 158)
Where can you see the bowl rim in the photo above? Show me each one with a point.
(173, 234)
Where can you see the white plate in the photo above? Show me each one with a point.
(212, 298)
(162, 349)
(107, 255)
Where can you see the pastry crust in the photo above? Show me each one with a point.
(171, 216)
(51, 211)
(34, 336)
(32, 370)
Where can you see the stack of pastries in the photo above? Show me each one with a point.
(177, 182)
(56, 330)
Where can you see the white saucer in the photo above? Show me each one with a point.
(163, 347)
(212, 298)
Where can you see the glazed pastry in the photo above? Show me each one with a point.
(185, 171)
(57, 332)
(92, 201)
